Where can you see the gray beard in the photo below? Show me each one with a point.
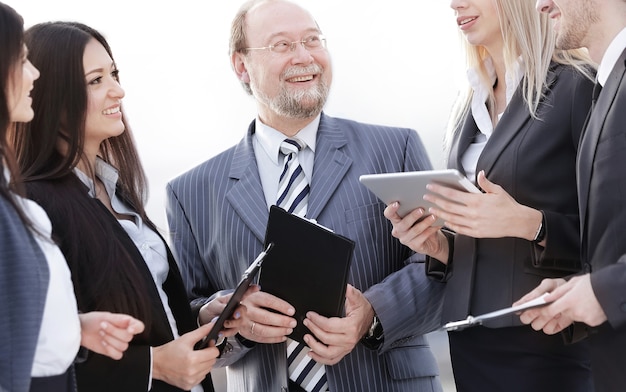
(300, 104)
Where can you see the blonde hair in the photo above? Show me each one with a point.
(526, 33)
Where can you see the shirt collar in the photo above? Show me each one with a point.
(270, 139)
(610, 57)
(105, 172)
(481, 92)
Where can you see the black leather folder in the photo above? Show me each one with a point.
(307, 267)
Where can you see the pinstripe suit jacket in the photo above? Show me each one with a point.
(217, 216)
(24, 279)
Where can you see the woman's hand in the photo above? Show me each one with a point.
(108, 333)
(178, 364)
(213, 309)
(493, 214)
(416, 232)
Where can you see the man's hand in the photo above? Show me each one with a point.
(262, 325)
(572, 301)
(336, 337)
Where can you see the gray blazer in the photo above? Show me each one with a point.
(602, 193)
(217, 216)
(24, 277)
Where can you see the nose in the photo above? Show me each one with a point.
(300, 54)
(117, 91)
(543, 5)
(456, 4)
(34, 71)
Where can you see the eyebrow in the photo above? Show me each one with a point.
(100, 70)
(284, 33)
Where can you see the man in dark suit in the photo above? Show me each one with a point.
(218, 211)
(597, 298)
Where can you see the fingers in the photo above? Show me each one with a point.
(546, 285)
(271, 317)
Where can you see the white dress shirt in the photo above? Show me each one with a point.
(266, 142)
(59, 336)
(610, 57)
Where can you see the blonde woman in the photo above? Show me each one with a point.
(515, 134)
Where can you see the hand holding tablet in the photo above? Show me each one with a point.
(409, 188)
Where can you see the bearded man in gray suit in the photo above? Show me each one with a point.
(217, 213)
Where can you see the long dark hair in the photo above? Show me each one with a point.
(105, 277)
(11, 50)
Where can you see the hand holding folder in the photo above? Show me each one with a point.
(308, 267)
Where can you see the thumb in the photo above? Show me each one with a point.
(485, 184)
(352, 295)
(199, 333)
(124, 321)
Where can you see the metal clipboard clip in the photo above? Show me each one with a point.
(472, 321)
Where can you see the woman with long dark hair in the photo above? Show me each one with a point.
(40, 328)
(79, 161)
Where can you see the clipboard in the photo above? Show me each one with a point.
(246, 279)
(308, 267)
(472, 321)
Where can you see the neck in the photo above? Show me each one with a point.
(285, 125)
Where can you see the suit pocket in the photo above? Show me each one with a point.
(411, 362)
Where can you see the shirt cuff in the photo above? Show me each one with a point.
(150, 378)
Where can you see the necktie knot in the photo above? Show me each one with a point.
(597, 88)
(291, 146)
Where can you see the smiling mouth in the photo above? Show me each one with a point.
(112, 110)
(466, 21)
(306, 78)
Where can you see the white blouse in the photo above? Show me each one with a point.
(479, 111)
(59, 336)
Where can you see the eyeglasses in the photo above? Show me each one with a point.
(311, 43)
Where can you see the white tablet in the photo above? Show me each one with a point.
(409, 188)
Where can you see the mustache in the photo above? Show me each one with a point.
(295, 71)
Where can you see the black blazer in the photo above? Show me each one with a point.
(602, 191)
(534, 161)
(63, 199)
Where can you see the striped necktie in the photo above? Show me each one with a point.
(293, 196)
(293, 189)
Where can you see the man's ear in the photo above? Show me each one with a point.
(239, 67)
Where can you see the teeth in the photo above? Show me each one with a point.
(301, 79)
(464, 21)
(112, 110)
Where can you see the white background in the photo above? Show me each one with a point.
(395, 62)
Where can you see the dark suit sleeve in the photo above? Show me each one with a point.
(562, 251)
(407, 302)
(609, 286)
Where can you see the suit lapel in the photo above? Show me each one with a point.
(246, 195)
(592, 132)
(330, 167)
(462, 142)
(515, 119)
